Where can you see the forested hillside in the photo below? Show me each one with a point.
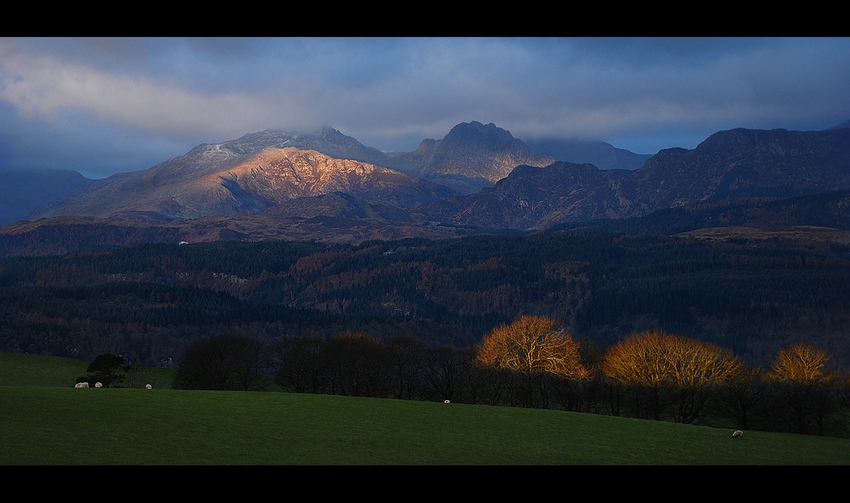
(149, 303)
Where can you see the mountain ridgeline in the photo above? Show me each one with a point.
(743, 241)
(477, 179)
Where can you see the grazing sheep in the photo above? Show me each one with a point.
(737, 434)
(81, 385)
(446, 401)
(98, 385)
(148, 386)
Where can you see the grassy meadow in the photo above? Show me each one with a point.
(44, 420)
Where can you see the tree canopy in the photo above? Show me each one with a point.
(656, 357)
(532, 345)
(107, 369)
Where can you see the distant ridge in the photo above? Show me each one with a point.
(23, 190)
(734, 164)
(599, 153)
(236, 189)
(843, 125)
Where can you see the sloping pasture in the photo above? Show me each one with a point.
(45, 424)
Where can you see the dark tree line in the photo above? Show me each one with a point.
(226, 362)
(404, 367)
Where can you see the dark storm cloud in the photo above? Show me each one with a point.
(103, 105)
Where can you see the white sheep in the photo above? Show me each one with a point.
(148, 386)
(98, 385)
(446, 401)
(81, 385)
(737, 434)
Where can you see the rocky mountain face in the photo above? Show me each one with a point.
(471, 156)
(326, 140)
(747, 163)
(731, 164)
(240, 178)
(530, 196)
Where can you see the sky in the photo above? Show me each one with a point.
(102, 106)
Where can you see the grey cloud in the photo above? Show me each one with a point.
(157, 95)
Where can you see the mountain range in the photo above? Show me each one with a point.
(326, 186)
(742, 241)
(439, 161)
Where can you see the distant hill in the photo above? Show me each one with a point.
(734, 164)
(21, 191)
(340, 218)
(827, 210)
(599, 153)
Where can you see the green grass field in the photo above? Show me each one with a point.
(44, 420)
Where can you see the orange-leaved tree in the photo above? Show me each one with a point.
(656, 360)
(654, 357)
(806, 387)
(803, 363)
(532, 345)
(532, 350)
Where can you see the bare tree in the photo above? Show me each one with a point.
(530, 348)
(530, 345)
(407, 355)
(806, 387)
(745, 399)
(360, 365)
(672, 373)
(224, 362)
(802, 363)
(299, 363)
(446, 370)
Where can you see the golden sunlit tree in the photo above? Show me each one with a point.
(671, 370)
(802, 363)
(806, 387)
(532, 347)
